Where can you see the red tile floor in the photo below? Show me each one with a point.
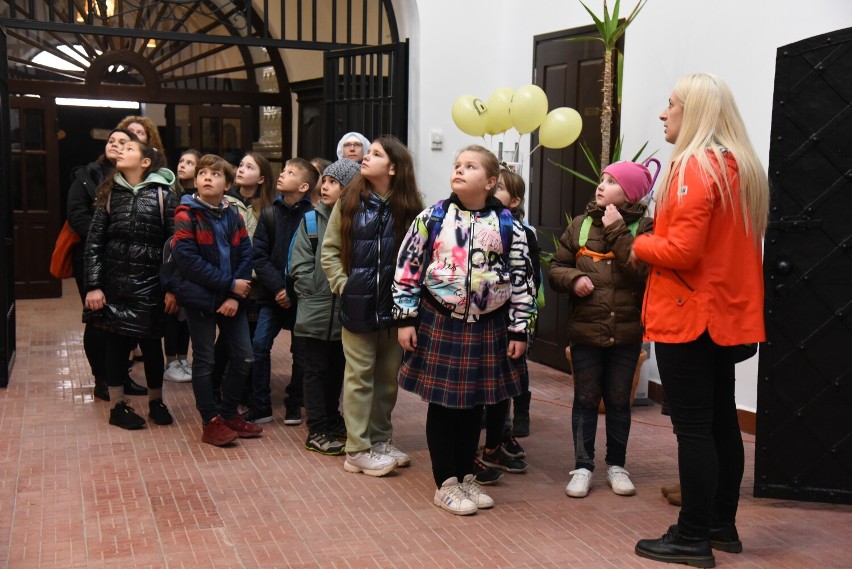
(76, 492)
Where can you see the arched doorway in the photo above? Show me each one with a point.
(209, 63)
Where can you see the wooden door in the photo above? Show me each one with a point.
(570, 74)
(37, 216)
(223, 130)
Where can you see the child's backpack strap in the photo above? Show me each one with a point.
(268, 216)
(311, 228)
(507, 228)
(433, 227)
(633, 227)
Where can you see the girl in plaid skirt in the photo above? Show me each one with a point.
(464, 298)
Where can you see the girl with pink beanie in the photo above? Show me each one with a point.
(604, 330)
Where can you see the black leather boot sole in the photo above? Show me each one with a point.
(675, 548)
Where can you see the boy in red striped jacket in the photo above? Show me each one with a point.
(212, 257)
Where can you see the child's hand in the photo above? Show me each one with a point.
(171, 303)
(229, 307)
(95, 299)
(282, 300)
(610, 215)
(241, 287)
(583, 286)
(516, 349)
(407, 336)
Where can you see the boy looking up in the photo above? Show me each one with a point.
(212, 255)
(275, 230)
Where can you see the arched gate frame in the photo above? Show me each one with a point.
(172, 52)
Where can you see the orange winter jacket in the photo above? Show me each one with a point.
(706, 271)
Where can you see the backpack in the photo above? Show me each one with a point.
(433, 227)
(587, 224)
(311, 228)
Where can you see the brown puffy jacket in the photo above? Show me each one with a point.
(611, 314)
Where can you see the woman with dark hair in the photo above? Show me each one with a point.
(81, 207)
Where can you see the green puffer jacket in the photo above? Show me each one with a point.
(317, 313)
(611, 314)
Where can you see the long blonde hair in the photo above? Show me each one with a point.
(710, 124)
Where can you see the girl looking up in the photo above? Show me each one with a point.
(363, 235)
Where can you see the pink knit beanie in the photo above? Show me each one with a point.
(635, 179)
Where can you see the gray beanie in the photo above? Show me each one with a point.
(343, 171)
(365, 144)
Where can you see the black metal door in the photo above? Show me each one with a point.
(366, 90)
(7, 272)
(804, 405)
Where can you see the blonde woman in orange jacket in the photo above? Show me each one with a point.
(704, 297)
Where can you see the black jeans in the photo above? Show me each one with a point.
(698, 380)
(176, 340)
(94, 338)
(452, 436)
(202, 331)
(608, 373)
(117, 347)
(322, 365)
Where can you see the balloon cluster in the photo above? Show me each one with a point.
(524, 109)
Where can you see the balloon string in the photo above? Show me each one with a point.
(534, 149)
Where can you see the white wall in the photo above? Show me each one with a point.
(475, 46)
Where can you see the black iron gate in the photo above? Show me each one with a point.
(366, 90)
(7, 248)
(804, 406)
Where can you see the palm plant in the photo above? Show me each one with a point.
(610, 30)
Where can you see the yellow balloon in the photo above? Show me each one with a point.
(560, 128)
(498, 111)
(528, 108)
(470, 115)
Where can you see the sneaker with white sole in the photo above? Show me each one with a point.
(580, 483)
(369, 462)
(387, 448)
(175, 372)
(476, 493)
(187, 367)
(619, 480)
(452, 497)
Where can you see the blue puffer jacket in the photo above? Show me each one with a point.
(199, 282)
(367, 302)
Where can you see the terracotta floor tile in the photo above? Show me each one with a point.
(78, 493)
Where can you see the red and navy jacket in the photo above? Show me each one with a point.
(199, 283)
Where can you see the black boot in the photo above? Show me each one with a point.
(133, 388)
(726, 539)
(101, 390)
(674, 547)
(123, 415)
(521, 419)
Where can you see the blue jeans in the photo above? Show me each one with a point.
(698, 380)
(608, 373)
(202, 332)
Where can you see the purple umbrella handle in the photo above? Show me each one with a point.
(656, 173)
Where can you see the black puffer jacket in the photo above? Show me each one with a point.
(124, 251)
(81, 204)
(367, 302)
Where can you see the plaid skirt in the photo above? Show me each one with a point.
(460, 364)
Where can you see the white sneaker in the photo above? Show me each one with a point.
(175, 372)
(476, 493)
(369, 462)
(187, 367)
(451, 497)
(388, 449)
(619, 480)
(580, 483)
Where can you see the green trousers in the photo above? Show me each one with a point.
(370, 387)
